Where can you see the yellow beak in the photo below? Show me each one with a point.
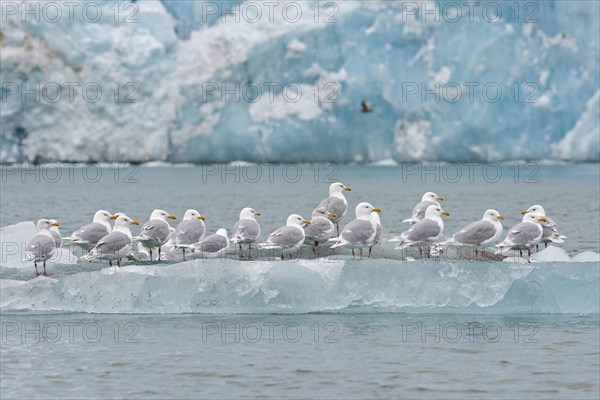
(307, 222)
(135, 222)
(172, 217)
(257, 213)
(524, 212)
(202, 217)
(114, 217)
(542, 219)
(56, 224)
(440, 198)
(332, 215)
(500, 217)
(377, 210)
(446, 213)
(348, 189)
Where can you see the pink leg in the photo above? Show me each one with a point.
(159, 253)
(36, 270)
(45, 273)
(370, 248)
(150, 253)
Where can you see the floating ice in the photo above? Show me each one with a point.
(332, 285)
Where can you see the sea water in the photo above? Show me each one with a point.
(332, 328)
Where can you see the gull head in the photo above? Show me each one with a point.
(365, 209)
(492, 215)
(534, 218)
(322, 212)
(537, 210)
(430, 196)
(103, 216)
(222, 232)
(435, 211)
(296, 220)
(124, 220)
(162, 215)
(248, 213)
(193, 215)
(338, 187)
(46, 224)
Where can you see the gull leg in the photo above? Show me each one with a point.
(150, 248)
(361, 253)
(353, 254)
(119, 262)
(476, 254)
(521, 253)
(158, 253)
(421, 251)
(337, 224)
(36, 271)
(241, 251)
(110, 263)
(45, 274)
(545, 245)
(183, 254)
(528, 252)
(370, 248)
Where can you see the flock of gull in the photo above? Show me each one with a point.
(101, 241)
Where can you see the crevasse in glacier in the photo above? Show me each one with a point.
(494, 82)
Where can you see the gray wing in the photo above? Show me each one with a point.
(246, 229)
(334, 205)
(419, 210)
(423, 230)
(286, 236)
(112, 243)
(189, 231)
(549, 228)
(91, 232)
(358, 231)
(57, 238)
(377, 234)
(475, 233)
(41, 246)
(211, 244)
(318, 227)
(155, 229)
(523, 233)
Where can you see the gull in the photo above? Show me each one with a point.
(321, 228)
(115, 245)
(246, 230)
(550, 229)
(428, 199)
(41, 247)
(212, 246)
(287, 238)
(336, 203)
(361, 232)
(190, 230)
(479, 233)
(524, 235)
(87, 236)
(427, 230)
(156, 231)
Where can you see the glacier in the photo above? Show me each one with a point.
(164, 76)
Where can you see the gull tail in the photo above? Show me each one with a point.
(409, 221)
(269, 246)
(557, 238)
(337, 242)
(29, 257)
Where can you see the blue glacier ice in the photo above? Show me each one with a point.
(544, 59)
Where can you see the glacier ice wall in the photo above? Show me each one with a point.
(336, 285)
(544, 59)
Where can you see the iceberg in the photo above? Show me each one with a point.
(331, 285)
(198, 81)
